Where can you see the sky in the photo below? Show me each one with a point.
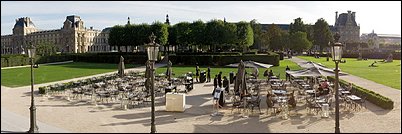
(382, 17)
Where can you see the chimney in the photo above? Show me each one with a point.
(353, 15)
(91, 28)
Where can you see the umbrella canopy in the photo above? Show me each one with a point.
(121, 67)
(313, 70)
(251, 64)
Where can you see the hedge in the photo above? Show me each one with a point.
(14, 60)
(222, 60)
(372, 96)
(21, 60)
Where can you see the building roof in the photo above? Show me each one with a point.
(106, 29)
(281, 26)
(21, 22)
(343, 18)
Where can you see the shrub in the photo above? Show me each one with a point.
(42, 90)
(372, 96)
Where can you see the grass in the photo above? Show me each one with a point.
(17, 77)
(180, 70)
(388, 74)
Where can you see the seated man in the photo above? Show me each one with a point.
(372, 64)
(266, 73)
(325, 84)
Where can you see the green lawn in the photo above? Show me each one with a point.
(180, 70)
(17, 77)
(388, 74)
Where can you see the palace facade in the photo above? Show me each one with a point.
(73, 37)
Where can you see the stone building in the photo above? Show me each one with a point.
(347, 27)
(374, 41)
(73, 37)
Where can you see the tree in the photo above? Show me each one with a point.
(161, 32)
(298, 25)
(230, 37)
(115, 36)
(299, 41)
(214, 33)
(322, 34)
(257, 34)
(172, 36)
(197, 37)
(183, 34)
(245, 34)
(285, 39)
(310, 32)
(275, 37)
(45, 48)
(264, 39)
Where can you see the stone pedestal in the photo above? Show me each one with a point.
(175, 102)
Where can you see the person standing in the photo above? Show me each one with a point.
(197, 73)
(220, 79)
(216, 101)
(287, 75)
(215, 83)
(209, 74)
(226, 84)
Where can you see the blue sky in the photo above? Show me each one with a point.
(383, 17)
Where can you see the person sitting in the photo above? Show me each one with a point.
(343, 61)
(350, 87)
(324, 88)
(270, 74)
(266, 73)
(324, 84)
(373, 64)
(292, 101)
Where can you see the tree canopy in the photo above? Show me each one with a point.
(296, 26)
(299, 41)
(322, 34)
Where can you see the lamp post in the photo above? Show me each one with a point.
(336, 50)
(33, 127)
(152, 50)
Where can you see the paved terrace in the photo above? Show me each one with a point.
(80, 116)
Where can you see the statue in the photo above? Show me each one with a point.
(336, 37)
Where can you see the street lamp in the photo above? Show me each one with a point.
(33, 127)
(336, 50)
(152, 51)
